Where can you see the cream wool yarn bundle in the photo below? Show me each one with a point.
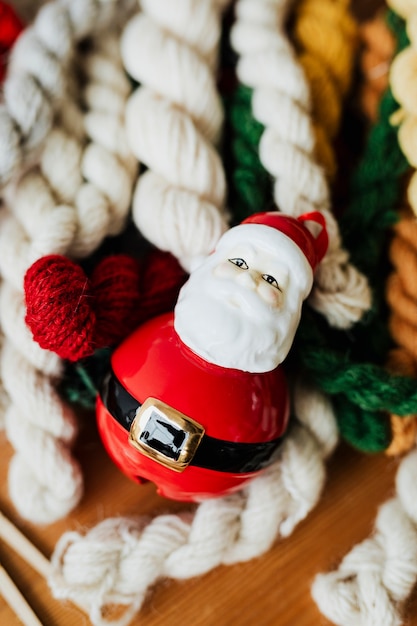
(179, 203)
(36, 83)
(77, 195)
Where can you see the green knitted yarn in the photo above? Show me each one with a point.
(376, 184)
(363, 384)
(249, 182)
(359, 428)
(344, 364)
(82, 379)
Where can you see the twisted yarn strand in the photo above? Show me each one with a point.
(401, 286)
(328, 69)
(400, 290)
(78, 194)
(37, 79)
(372, 582)
(120, 559)
(173, 123)
(281, 102)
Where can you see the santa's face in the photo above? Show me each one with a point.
(239, 309)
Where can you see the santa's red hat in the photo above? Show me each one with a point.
(313, 248)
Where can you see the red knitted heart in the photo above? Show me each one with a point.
(162, 278)
(59, 307)
(115, 284)
(72, 315)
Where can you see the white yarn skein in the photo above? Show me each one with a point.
(173, 122)
(79, 194)
(281, 102)
(120, 559)
(37, 80)
(373, 581)
(38, 424)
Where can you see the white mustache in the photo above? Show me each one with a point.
(239, 296)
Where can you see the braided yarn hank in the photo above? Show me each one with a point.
(121, 559)
(79, 194)
(286, 148)
(174, 121)
(326, 41)
(37, 80)
(373, 581)
(401, 286)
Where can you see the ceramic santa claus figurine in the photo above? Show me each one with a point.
(196, 400)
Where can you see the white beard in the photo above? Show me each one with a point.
(232, 326)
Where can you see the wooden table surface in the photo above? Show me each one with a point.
(273, 590)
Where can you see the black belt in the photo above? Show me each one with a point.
(211, 453)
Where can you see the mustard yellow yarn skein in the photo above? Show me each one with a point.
(326, 37)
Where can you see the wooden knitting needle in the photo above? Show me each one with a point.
(22, 546)
(14, 538)
(16, 601)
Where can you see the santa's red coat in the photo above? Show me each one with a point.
(230, 404)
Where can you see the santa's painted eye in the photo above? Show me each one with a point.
(271, 281)
(240, 263)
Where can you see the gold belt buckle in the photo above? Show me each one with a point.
(165, 435)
